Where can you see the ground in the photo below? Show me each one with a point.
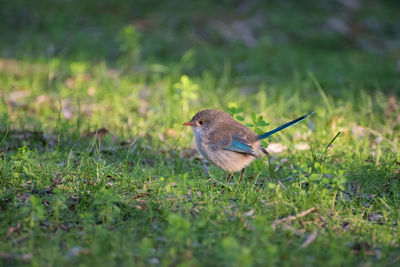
(97, 169)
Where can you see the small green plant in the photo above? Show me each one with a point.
(129, 44)
(258, 124)
(37, 212)
(235, 111)
(185, 91)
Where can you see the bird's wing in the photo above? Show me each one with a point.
(237, 138)
(240, 145)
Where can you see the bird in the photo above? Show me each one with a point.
(226, 142)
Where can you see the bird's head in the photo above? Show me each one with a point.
(206, 119)
(202, 120)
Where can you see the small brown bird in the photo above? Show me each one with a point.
(226, 142)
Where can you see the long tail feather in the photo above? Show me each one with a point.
(262, 136)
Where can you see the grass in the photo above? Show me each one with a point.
(97, 169)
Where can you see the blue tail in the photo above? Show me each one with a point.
(262, 136)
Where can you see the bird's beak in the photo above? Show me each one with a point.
(189, 123)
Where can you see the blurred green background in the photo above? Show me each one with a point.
(344, 43)
(279, 47)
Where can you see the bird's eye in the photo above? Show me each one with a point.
(201, 122)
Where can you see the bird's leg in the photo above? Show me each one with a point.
(230, 175)
(241, 175)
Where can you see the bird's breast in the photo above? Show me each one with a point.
(227, 160)
(200, 143)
